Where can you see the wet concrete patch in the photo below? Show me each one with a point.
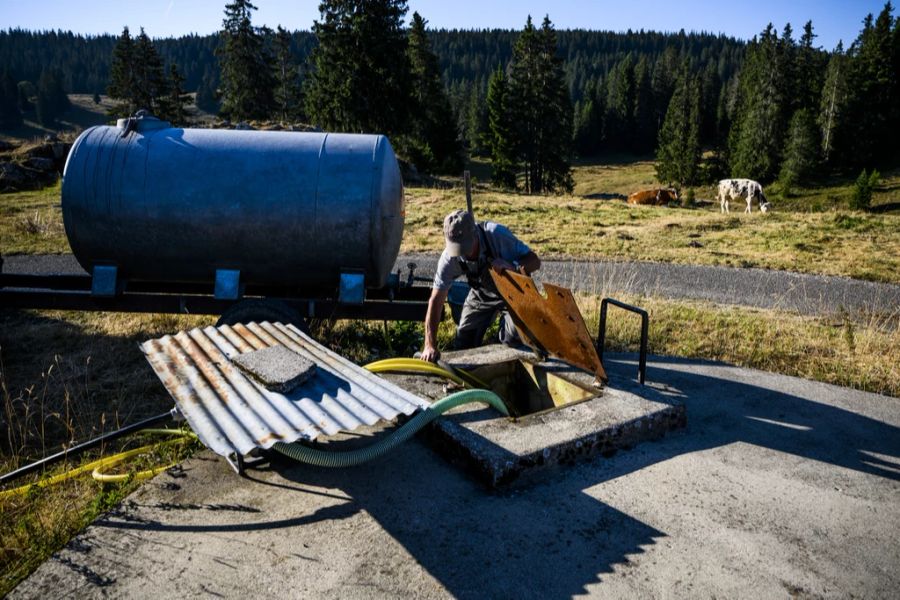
(504, 452)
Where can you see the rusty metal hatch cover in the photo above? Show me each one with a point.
(551, 325)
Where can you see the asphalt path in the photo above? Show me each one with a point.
(762, 288)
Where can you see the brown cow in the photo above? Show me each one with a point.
(654, 197)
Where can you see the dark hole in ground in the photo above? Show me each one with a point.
(528, 388)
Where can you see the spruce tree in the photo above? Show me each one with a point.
(288, 98)
(873, 80)
(588, 119)
(122, 76)
(756, 139)
(172, 105)
(811, 64)
(833, 102)
(645, 127)
(10, 115)
(247, 86)
(359, 76)
(678, 153)
(541, 110)
(26, 91)
(207, 95)
(801, 151)
(500, 139)
(52, 100)
(475, 123)
(433, 126)
(620, 103)
(150, 83)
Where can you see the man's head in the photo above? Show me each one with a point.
(459, 233)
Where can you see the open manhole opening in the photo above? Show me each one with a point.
(529, 388)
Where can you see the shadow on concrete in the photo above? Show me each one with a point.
(552, 540)
(547, 541)
(723, 411)
(122, 518)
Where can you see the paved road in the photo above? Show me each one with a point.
(805, 294)
(777, 488)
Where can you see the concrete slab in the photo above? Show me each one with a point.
(276, 367)
(502, 452)
(777, 488)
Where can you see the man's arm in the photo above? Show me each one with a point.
(528, 264)
(432, 320)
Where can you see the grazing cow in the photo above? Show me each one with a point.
(658, 197)
(730, 189)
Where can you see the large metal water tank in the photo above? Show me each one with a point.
(283, 208)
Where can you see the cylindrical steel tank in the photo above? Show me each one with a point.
(283, 208)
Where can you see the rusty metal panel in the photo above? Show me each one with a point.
(233, 414)
(553, 324)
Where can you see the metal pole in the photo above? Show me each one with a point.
(468, 180)
(75, 450)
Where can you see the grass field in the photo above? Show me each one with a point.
(67, 376)
(831, 241)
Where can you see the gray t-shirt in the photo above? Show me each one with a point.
(503, 245)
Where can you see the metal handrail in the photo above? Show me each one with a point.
(645, 328)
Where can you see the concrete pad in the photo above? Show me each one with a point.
(777, 488)
(502, 452)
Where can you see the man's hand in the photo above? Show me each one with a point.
(499, 265)
(431, 354)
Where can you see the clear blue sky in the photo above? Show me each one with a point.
(832, 19)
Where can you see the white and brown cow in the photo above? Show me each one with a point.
(730, 189)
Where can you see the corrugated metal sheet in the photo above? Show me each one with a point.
(233, 414)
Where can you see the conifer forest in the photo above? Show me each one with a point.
(778, 107)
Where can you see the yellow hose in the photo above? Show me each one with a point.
(106, 461)
(111, 461)
(415, 365)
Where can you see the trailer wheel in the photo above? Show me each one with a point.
(258, 310)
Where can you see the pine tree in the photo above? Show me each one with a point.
(10, 115)
(122, 76)
(541, 110)
(757, 134)
(620, 102)
(247, 86)
(172, 105)
(433, 126)
(207, 94)
(833, 102)
(149, 84)
(678, 154)
(52, 100)
(500, 140)
(801, 151)
(644, 112)
(873, 80)
(288, 97)
(359, 76)
(475, 123)
(26, 91)
(811, 63)
(588, 135)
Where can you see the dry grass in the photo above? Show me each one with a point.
(31, 223)
(67, 377)
(860, 355)
(833, 242)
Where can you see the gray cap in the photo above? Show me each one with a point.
(459, 233)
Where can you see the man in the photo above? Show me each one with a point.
(471, 250)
